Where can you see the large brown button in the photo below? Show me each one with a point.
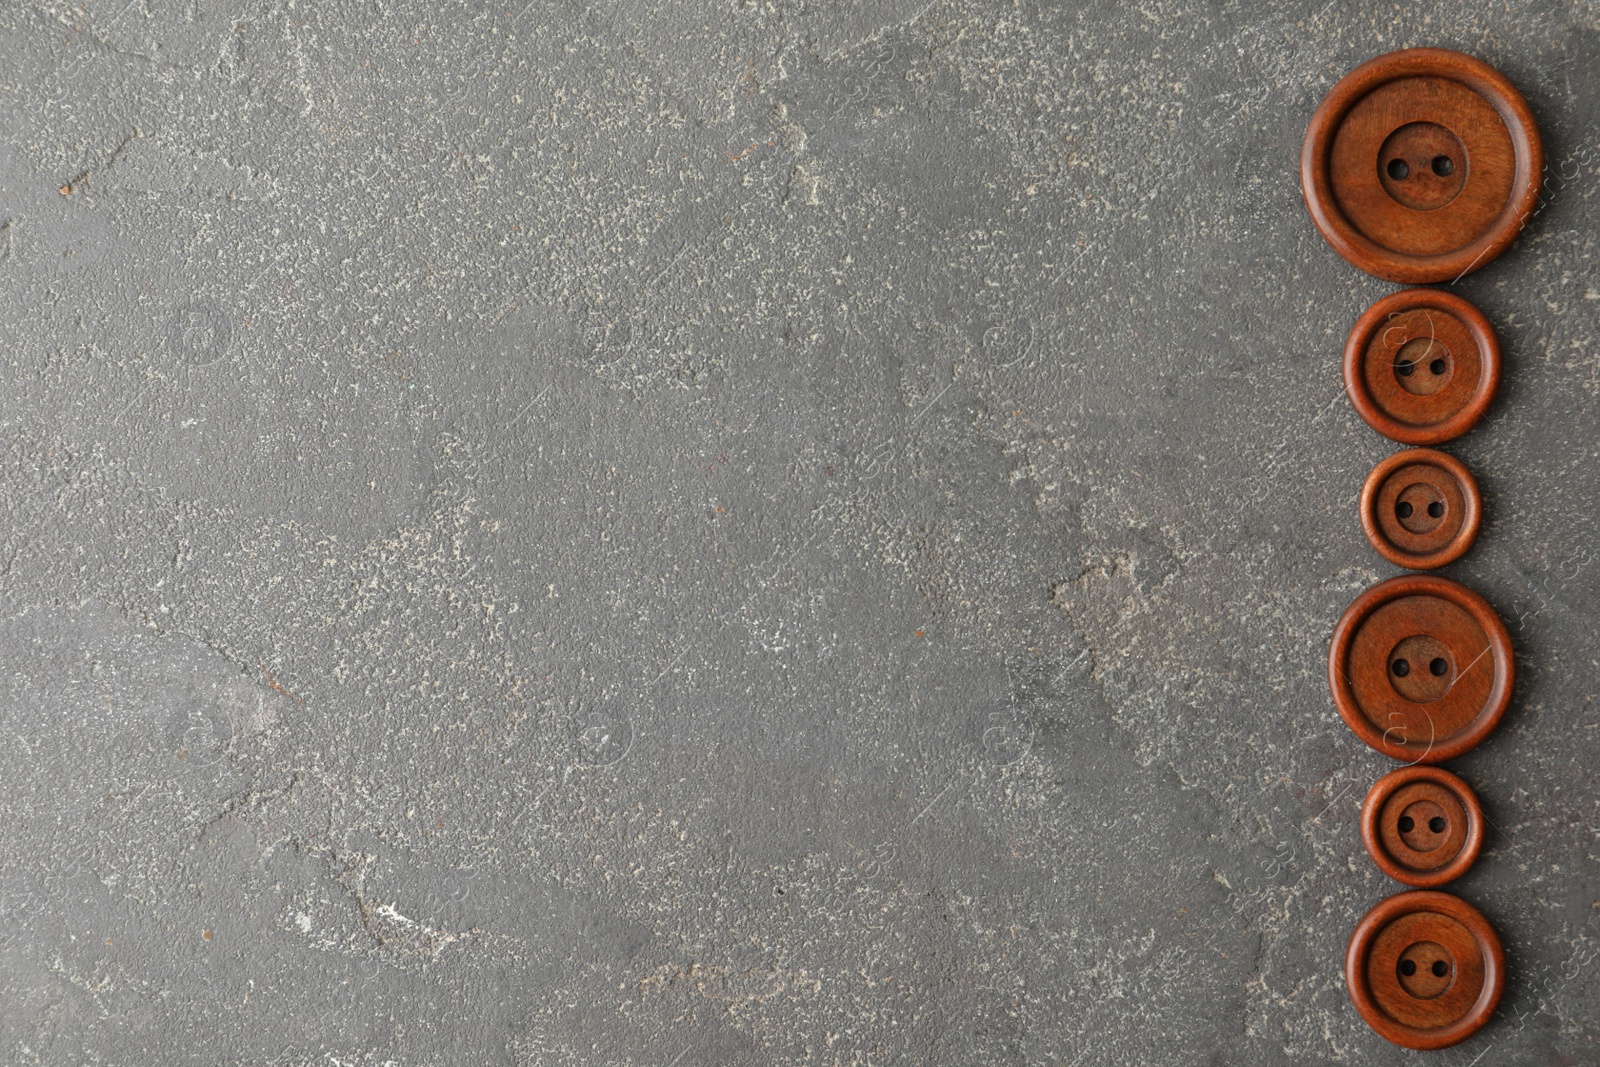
(1421, 366)
(1425, 969)
(1421, 668)
(1421, 165)
(1422, 825)
(1420, 508)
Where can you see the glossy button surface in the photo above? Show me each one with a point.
(1420, 508)
(1421, 668)
(1422, 826)
(1421, 366)
(1425, 969)
(1421, 165)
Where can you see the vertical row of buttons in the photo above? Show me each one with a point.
(1419, 167)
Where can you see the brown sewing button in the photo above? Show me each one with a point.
(1421, 165)
(1420, 508)
(1422, 825)
(1421, 366)
(1421, 668)
(1425, 969)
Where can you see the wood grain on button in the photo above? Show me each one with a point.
(1420, 508)
(1421, 165)
(1425, 969)
(1421, 668)
(1422, 826)
(1421, 366)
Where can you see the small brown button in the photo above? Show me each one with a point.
(1421, 165)
(1421, 668)
(1425, 969)
(1422, 825)
(1421, 366)
(1420, 508)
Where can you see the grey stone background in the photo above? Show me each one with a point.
(739, 533)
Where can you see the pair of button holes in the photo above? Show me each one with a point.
(1436, 824)
(1409, 967)
(1404, 509)
(1443, 166)
(1436, 667)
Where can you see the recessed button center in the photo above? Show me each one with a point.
(1421, 669)
(1423, 826)
(1420, 508)
(1422, 165)
(1425, 970)
(1423, 366)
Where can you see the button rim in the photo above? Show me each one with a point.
(1458, 545)
(1483, 614)
(1372, 836)
(1363, 253)
(1355, 353)
(1373, 923)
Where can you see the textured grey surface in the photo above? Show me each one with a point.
(738, 533)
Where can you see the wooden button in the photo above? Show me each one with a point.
(1420, 508)
(1425, 969)
(1421, 366)
(1421, 165)
(1421, 668)
(1422, 825)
